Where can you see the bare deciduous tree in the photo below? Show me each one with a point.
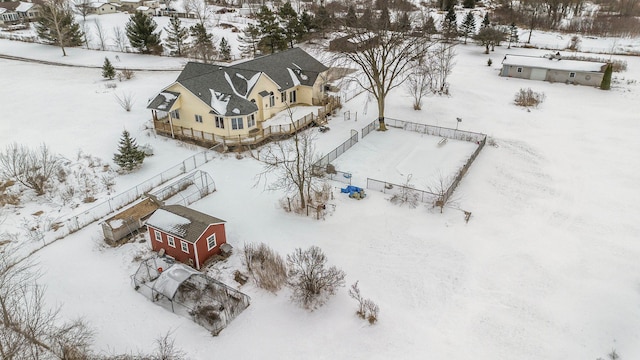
(367, 309)
(384, 57)
(120, 38)
(292, 163)
(31, 168)
(407, 195)
(125, 101)
(441, 65)
(419, 83)
(310, 279)
(198, 8)
(102, 36)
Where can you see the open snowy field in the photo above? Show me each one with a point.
(547, 267)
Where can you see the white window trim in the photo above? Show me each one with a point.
(158, 235)
(215, 242)
(251, 121)
(171, 241)
(237, 123)
(293, 97)
(198, 117)
(184, 246)
(219, 122)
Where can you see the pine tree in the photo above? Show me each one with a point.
(140, 31)
(351, 20)
(293, 28)
(225, 49)
(272, 33)
(323, 20)
(56, 25)
(176, 36)
(202, 47)
(450, 25)
(468, 27)
(307, 21)
(429, 26)
(606, 79)
(384, 21)
(129, 156)
(108, 71)
(469, 4)
(513, 34)
(485, 21)
(404, 23)
(249, 41)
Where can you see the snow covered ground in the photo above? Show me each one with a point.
(547, 267)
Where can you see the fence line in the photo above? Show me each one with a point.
(78, 221)
(397, 189)
(449, 133)
(339, 150)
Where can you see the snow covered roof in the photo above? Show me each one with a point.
(553, 63)
(142, 8)
(182, 222)
(24, 6)
(170, 279)
(164, 101)
(226, 88)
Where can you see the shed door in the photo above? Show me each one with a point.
(538, 74)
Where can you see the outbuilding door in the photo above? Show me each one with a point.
(538, 74)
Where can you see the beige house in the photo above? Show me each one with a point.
(232, 102)
(553, 68)
(101, 8)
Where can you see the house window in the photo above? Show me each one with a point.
(572, 75)
(158, 235)
(272, 99)
(237, 123)
(283, 97)
(198, 118)
(171, 241)
(519, 69)
(175, 114)
(251, 120)
(292, 96)
(211, 242)
(184, 246)
(219, 122)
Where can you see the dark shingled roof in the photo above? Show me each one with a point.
(198, 222)
(233, 83)
(163, 101)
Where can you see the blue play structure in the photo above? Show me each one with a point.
(354, 192)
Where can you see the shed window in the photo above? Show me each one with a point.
(158, 235)
(211, 242)
(519, 70)
(572, 75)
(171, 241)
(184, 246)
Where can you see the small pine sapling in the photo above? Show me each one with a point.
(129, 156)
(108, 71)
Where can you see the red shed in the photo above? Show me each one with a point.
(185, 234)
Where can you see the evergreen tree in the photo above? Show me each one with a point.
(429, 26)
(404, 23)
(129, 156)
(202, 46)
(450, 25)
(293, 28)
(272, 33)
(384, 21)
(513, 34)
(249, 41)
(485, 21)
(469, 4)
(140, 31)
(176, 36)
(447, 5)
(307, 21)
(366, 20)
(323, 20)
(108, 71)
(56, 25)
(606, 79)
(468, 27)
(225, 49)
(351, 20)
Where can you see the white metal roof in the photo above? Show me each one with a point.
(170, 279)
(553, 64)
